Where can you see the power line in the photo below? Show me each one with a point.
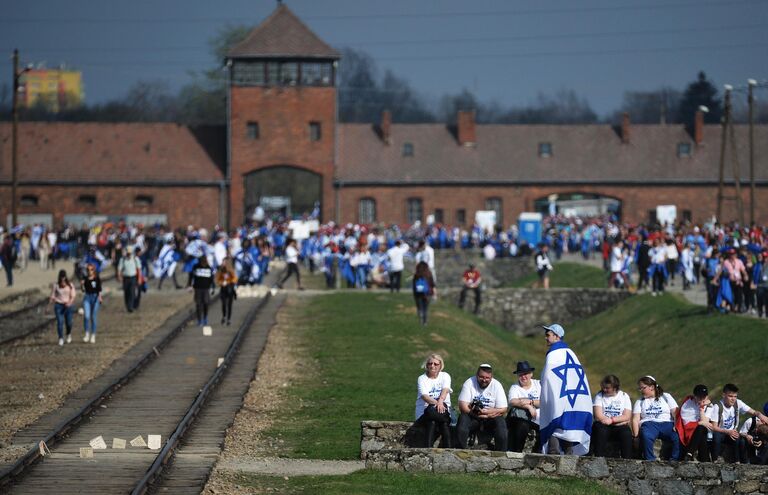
(651, 32)
(431, 15)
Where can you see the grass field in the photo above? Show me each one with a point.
(567, 275)
(364, 350)
(396, 483)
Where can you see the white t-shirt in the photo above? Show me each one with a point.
(291, 254)
(396, 257)
(613, 406)
(432, 387)
(690, 412)
(655, 410)
(532, 393)
(492, 395)
(489, 252)
(617, 259)
(728, 418)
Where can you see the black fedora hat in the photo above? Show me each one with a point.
(523, 367)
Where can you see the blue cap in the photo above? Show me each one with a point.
(556, 329)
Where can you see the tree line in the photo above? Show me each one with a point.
(364, 92)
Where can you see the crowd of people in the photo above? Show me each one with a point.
(559, 407)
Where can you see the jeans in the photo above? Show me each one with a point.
(129, 292)
(8, 266)
(422, 306)
(90, 311)
(63, 315)
(394, 281)
(651, 430)
(468, 423)
(740, 445)
(762, 301)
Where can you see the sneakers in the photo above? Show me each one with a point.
(93, 338)
(61, 341)
(69, 339)
(87, 337)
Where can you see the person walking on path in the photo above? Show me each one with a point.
(202, 283)
(226, 279)
(128, 273)
(8, 258)
(423, 289)
(292, 259)
(396, 266)
(63, 297)
(543, 266)
(92, 299)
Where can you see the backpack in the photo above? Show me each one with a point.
(421, 286)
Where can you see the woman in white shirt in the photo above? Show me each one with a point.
(433, 401)
(523, 414)
(612, 410)
(653, 416)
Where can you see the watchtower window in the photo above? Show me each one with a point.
(315, 131)
(248, 73)
(252, 130)
(289, 73)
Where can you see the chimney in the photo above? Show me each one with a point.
(698, 127)
(466, 128)
(625, 128)
(386, 126)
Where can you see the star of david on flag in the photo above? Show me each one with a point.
(562, 373)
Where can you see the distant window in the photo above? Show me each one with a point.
(273, 72)
(683, 150)
(495, 204)
(289, 73)
(28, 200)
(414, 210)
(315, 131)
(367, 212)
(461, 216)
(248, 73)
(407, 149)
(439, 216)
(545, 149)
(252, 130)
(87, 200)
(143, 200)
(652, 218)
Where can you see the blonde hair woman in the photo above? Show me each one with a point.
(433, 401)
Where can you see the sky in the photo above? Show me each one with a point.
(504, 51)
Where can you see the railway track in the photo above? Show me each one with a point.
(162, 394)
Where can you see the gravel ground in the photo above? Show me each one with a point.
(247, 448)
(37, 374)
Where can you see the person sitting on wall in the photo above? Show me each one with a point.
(612, 410)
(523, 417)
(694, 423)
(483, 405)
(471, 280)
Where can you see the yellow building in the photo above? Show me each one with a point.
(54, 88)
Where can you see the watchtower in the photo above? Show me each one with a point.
(281, 120)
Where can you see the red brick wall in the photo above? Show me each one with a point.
(283, 114)
(636, 201)
(183, 205)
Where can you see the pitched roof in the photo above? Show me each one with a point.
(509, 154)
(119, 153)
(282, 34)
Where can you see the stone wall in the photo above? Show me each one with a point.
(523, 310)
(450, 266)
(624, 476)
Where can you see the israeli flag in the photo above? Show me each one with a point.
(566, 403)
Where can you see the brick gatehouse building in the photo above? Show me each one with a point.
(284, 150)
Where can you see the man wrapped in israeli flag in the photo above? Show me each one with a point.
(566, 403)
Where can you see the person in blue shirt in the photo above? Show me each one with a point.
(760, 281)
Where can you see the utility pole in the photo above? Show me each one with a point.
(751, 83)
(14, 140)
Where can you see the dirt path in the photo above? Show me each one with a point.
(248, 447)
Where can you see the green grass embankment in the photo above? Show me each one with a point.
(567, 275)
(364, 351)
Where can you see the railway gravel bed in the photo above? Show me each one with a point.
(38, 376)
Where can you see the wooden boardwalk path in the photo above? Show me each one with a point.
(153, 403)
